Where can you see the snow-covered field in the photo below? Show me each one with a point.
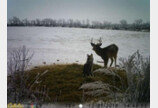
(69, 45)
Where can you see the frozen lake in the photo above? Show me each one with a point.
(69, 45)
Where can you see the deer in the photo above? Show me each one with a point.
(106, 53)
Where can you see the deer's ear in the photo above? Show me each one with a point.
(92, 44)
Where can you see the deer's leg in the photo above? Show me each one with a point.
(111, 61)
(106, 62)
(115, 60)
(92, 70)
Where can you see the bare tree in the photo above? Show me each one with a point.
(137, 25)
(19, 87)
(138, 21)
(123, 24)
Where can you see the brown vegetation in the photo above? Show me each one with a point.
(64, 81)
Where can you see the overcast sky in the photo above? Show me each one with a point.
(100, 10)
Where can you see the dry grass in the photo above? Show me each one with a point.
(64, 81)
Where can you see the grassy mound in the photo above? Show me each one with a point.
(64, 81)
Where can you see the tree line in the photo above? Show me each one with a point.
(137, 25)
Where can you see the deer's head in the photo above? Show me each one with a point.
(97, 45)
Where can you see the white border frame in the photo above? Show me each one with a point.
(3, 53)
(153, 53)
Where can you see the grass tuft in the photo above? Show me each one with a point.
(64, 81)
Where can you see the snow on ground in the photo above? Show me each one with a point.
(69, 45)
